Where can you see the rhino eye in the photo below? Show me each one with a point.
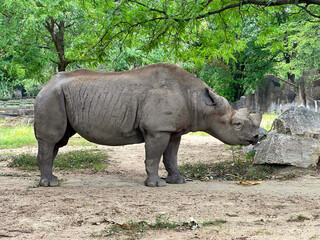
(237, 125)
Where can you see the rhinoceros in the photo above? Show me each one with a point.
(155, 104)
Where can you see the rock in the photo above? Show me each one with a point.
(294, 140)
(297, 121)
(288, 150)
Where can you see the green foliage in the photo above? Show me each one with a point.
(230, 46)
(32, 86)
(80, 159)
(291, 36)
(218, 76)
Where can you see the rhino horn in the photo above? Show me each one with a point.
(257, 117)
(212, 99)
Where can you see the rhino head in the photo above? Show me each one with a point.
(234, 127)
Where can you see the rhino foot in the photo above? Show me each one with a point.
(175, 179)
(45, 182)
(154, 182)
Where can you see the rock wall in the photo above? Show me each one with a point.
(17, 112)
(271, 96)
(309, 90)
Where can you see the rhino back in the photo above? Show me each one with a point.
(106, 108)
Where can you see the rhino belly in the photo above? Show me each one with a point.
(104, 116)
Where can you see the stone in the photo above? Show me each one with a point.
(271, 96)
(294, 140)
(297, 121)
(309, 89)
(288, 150)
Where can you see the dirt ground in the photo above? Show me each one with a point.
(86, 204)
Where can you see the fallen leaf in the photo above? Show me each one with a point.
(245, 183)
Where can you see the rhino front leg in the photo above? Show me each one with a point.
(46, 155)
(155, 146)
(170, 161)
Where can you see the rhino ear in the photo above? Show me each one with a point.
(257, 117)
(243, 111)
(209, 97)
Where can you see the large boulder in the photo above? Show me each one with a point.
(294, 140)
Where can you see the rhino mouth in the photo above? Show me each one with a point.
(254, 140)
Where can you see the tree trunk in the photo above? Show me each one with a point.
(56, 31)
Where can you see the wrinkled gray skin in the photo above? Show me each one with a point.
(155, 104)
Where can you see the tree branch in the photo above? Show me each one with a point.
(281, 79)
(307, 11)
(150, 9)
(254, 2)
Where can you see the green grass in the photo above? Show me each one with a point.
(77, 140)
(80, 159)
(217, 222)
(199, 133)
(267, 120)
(227, 170)
(133, 229)
(299, 218)
(15, 137)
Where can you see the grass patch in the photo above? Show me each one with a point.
(81, 159)
(227, 170)
(217, 222)
(24, 161)
(15, 137)
(299, 218)
(134, 230)
(199, 133)
(77, 140)
(267, 120)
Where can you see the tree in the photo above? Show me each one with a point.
(39, 34)
(40, 37)
(296, 44)
(210, 26)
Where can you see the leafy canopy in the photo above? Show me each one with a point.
(234, 41)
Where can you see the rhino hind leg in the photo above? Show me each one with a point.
(170, 161)
(155, 145)
(47, 151)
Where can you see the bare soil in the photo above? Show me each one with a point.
(86, 204)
